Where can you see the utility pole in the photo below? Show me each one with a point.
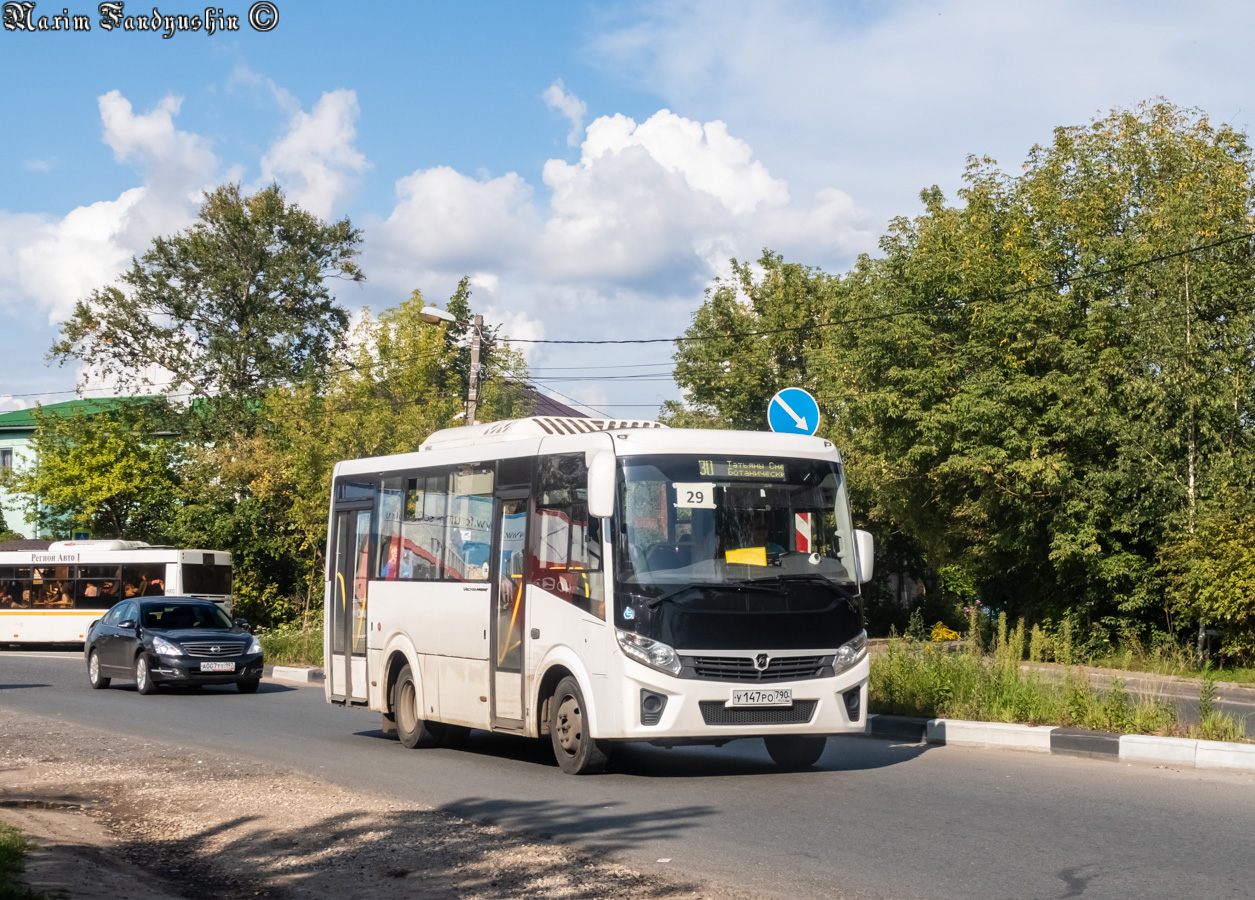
(472, 391)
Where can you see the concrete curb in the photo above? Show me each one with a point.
(299, 674)
(1186, 752)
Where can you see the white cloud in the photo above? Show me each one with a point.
(669, 198)
(882, 100)
(56, 262)
(43, 166)
(315, 160)
(570, 106)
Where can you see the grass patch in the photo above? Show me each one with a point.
(293, 644)
(917, 679)
(12, 861)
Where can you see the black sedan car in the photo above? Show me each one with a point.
(174, 641)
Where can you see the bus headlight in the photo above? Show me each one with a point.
(166, 648)
(849, 653)
(654, 654)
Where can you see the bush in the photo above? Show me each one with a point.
(929, 681)
(293, 644)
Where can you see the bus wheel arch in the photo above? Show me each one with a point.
(544, 696)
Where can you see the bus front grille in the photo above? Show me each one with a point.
(741, 668)
(715, 713)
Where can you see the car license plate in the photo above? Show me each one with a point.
(217, 667)
(774, 697)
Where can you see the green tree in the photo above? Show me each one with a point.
(112, 472)
(1212, 573)
(388, 391)
(1016, 389)
(223, 311)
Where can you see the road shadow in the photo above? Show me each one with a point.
(610, 827)
(205, 691)
(14, 687)
(433, 854)
(738, 758)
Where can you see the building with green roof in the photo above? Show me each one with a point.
(16, 430)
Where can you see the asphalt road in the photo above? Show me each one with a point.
(874, 819)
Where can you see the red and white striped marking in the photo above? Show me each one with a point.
(802, 525)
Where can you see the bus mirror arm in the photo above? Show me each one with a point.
(601, 485)
(866, 555)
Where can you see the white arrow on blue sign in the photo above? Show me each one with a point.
(793, 411)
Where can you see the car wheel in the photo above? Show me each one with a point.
(574, 747)
(413, 730)
(248, 687)
(143, 677)
(796, 752)
(97, 680)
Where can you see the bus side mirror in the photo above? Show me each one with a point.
(866, 555)
(601, 485)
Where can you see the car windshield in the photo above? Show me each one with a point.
(172, 616)
(720, 521)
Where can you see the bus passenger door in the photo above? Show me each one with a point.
(348, 608)
(509, 593)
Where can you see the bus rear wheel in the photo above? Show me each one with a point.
(413, 730)
(798, 752)
(574, 747)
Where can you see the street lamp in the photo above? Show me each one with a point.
(434, 315)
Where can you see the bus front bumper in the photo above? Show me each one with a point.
(703, 710)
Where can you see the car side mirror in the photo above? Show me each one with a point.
(242, 623)
(865, 553)
(129, 623)
(601, 485)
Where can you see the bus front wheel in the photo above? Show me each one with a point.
(412, 729)
(577, 752)
(799, 752)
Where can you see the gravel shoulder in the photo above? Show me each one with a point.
(110, 816)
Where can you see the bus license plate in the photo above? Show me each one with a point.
(774, 697)
(217, 667)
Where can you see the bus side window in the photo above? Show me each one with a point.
(566, 543)
(423, 526)
(468, 535)
(388, 530)
(98, 587)
(144, 580)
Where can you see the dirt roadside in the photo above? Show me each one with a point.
(116, 817)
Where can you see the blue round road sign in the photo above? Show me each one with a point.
(793, 411)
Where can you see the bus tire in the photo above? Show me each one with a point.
(144, 683)
(412, 730)
(576, 750)
(97, 680)
(797, 751)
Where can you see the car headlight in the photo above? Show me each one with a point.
(254, 646)
(654, 654)
(166, 648)
(850, 652)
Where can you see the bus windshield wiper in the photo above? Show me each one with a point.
(758, 587)
(810, 578)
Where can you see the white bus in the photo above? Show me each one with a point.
(594, 581)
(51, 596)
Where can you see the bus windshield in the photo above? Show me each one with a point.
(709, 520)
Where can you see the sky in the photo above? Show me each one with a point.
(591, 166)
